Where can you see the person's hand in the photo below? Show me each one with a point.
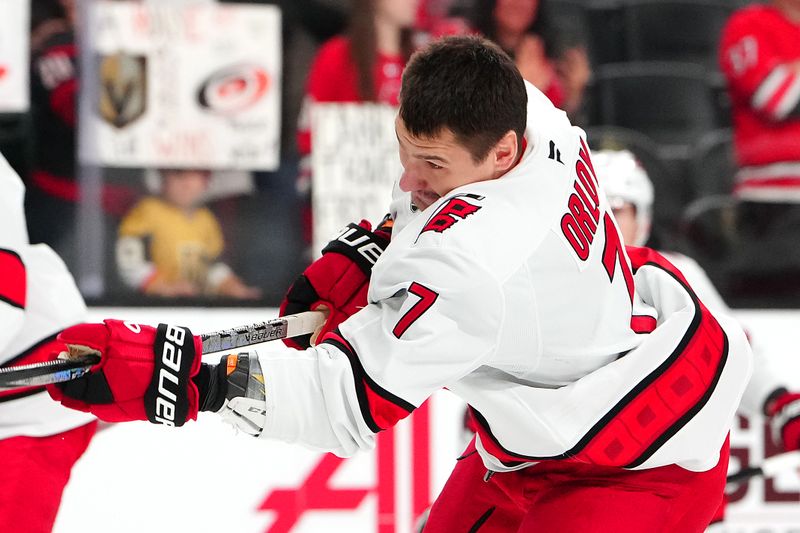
(337, 281)
(784, 420)
(574, 71)
(144, 373)
(532, 62)
(233, 287)
(171, 289)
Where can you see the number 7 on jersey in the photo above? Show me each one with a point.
(426, 296)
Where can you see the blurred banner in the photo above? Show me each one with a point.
(765, 505)
(181, 85)
(14, 55)
(354, 163)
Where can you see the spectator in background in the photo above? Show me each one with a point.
(363, 65)
(630, 195)
(760, 57)
(171, 245)
(523, 29)
(53, 192)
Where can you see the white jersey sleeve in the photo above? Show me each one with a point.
(359, 380)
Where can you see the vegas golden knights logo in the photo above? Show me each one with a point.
(123, 88)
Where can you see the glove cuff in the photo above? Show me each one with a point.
(211, 386)
(360, 245)
(172, 397)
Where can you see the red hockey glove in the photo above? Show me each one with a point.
(144, 373)
(784, 420)
(339, 279)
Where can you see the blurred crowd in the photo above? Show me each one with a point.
(704, 93)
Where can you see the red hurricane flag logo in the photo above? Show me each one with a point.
(455, 209)
(233, 89)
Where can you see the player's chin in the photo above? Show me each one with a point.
(423, 200)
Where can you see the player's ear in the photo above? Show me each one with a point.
(505, 151)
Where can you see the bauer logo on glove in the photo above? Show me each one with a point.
(144, 373)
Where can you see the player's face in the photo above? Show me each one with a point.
(515, 15)
(402, 13)
(434, 166)
(626, 220)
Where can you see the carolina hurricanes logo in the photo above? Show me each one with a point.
(454, 210)
(233, 89)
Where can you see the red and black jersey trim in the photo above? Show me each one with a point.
(39, 352)
(652, 412)
(12, 278)
(380, 408)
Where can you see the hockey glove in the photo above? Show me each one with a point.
(784, 420)
(144, 373)
(338, 280)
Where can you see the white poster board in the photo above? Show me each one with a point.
(187, 84)
(354, 163)
(14, 56)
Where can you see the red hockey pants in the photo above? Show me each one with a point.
(577, 498)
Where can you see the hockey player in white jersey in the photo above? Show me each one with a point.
(599, 380)
(39, 440)
(631, 196)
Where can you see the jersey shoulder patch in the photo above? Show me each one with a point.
(454, 210)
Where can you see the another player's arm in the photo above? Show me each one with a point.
(134, 261)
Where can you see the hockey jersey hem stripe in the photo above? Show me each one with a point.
(668, 434)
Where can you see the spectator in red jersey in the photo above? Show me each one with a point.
(54, 79)
(363, 65)
(522, 28)
(760, 56)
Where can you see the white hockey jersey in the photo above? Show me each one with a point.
(764, 380)
(38, 299)
(518, 296)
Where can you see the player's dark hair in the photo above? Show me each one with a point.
(468, 85)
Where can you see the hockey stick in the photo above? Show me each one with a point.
(59, 370)
(768, 468)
